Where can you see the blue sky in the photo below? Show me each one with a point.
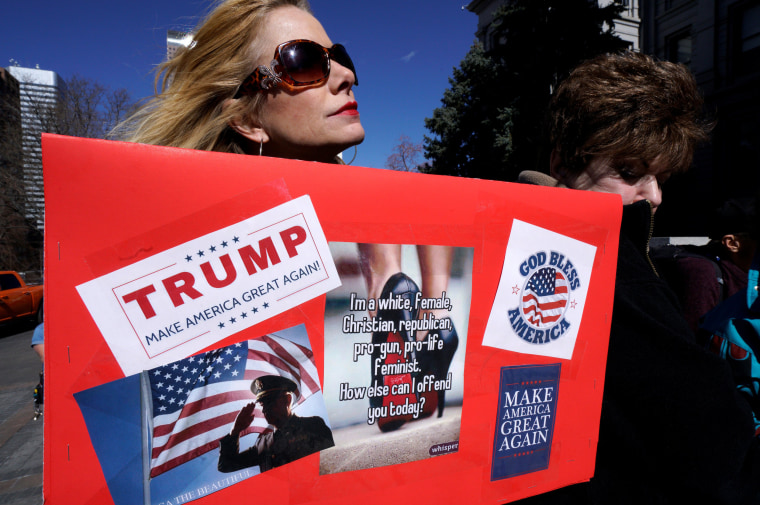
(404, 50)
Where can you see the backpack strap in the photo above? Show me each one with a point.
(719, 277)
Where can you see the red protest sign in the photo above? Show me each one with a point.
(144, 273)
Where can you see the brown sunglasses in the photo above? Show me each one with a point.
(296, 63)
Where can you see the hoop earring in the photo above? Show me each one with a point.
(352, 159)
(261, 146)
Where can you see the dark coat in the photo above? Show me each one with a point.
(299, 437)
(673, 427)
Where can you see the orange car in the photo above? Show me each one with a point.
(17, 300)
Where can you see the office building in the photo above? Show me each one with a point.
(39, 92)
(175, 40)
(719, 40)
(626, 26)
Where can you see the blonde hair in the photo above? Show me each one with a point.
(188, 107)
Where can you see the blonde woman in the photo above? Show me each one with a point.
(261, 77)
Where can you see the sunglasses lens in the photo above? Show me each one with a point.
(305, 62)
(339, 54)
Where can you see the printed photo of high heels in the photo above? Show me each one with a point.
(401, 314)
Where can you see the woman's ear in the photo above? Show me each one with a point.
(246, 126)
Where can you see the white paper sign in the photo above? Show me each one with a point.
(542, 292)
(175, 303)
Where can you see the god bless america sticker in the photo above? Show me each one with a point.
(542, 292)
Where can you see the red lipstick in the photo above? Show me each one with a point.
(349, 109)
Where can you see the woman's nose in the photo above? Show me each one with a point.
(341, 78)
(650, 189)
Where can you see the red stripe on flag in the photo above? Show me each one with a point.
(194, 430)
(194, 453)
(202, 404)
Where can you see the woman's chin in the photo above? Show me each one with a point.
(354, 135)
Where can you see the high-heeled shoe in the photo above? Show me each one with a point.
(398, 285)
(436, 362)
(400, 388)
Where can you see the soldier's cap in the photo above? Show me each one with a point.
(270, 386)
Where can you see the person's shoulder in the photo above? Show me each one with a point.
(538, 179)
(309, 421)
(699, 270)
(38, 337)
(312, 424)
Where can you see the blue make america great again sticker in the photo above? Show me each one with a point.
(525, 419)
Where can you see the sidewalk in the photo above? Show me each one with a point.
(364, 446)
(20, 434)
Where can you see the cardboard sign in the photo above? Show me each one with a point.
(180, 283)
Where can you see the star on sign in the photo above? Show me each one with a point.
(515, 289)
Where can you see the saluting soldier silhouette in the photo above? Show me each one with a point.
(294, 437)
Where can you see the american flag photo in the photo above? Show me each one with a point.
(545, 297)
(195, 400)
